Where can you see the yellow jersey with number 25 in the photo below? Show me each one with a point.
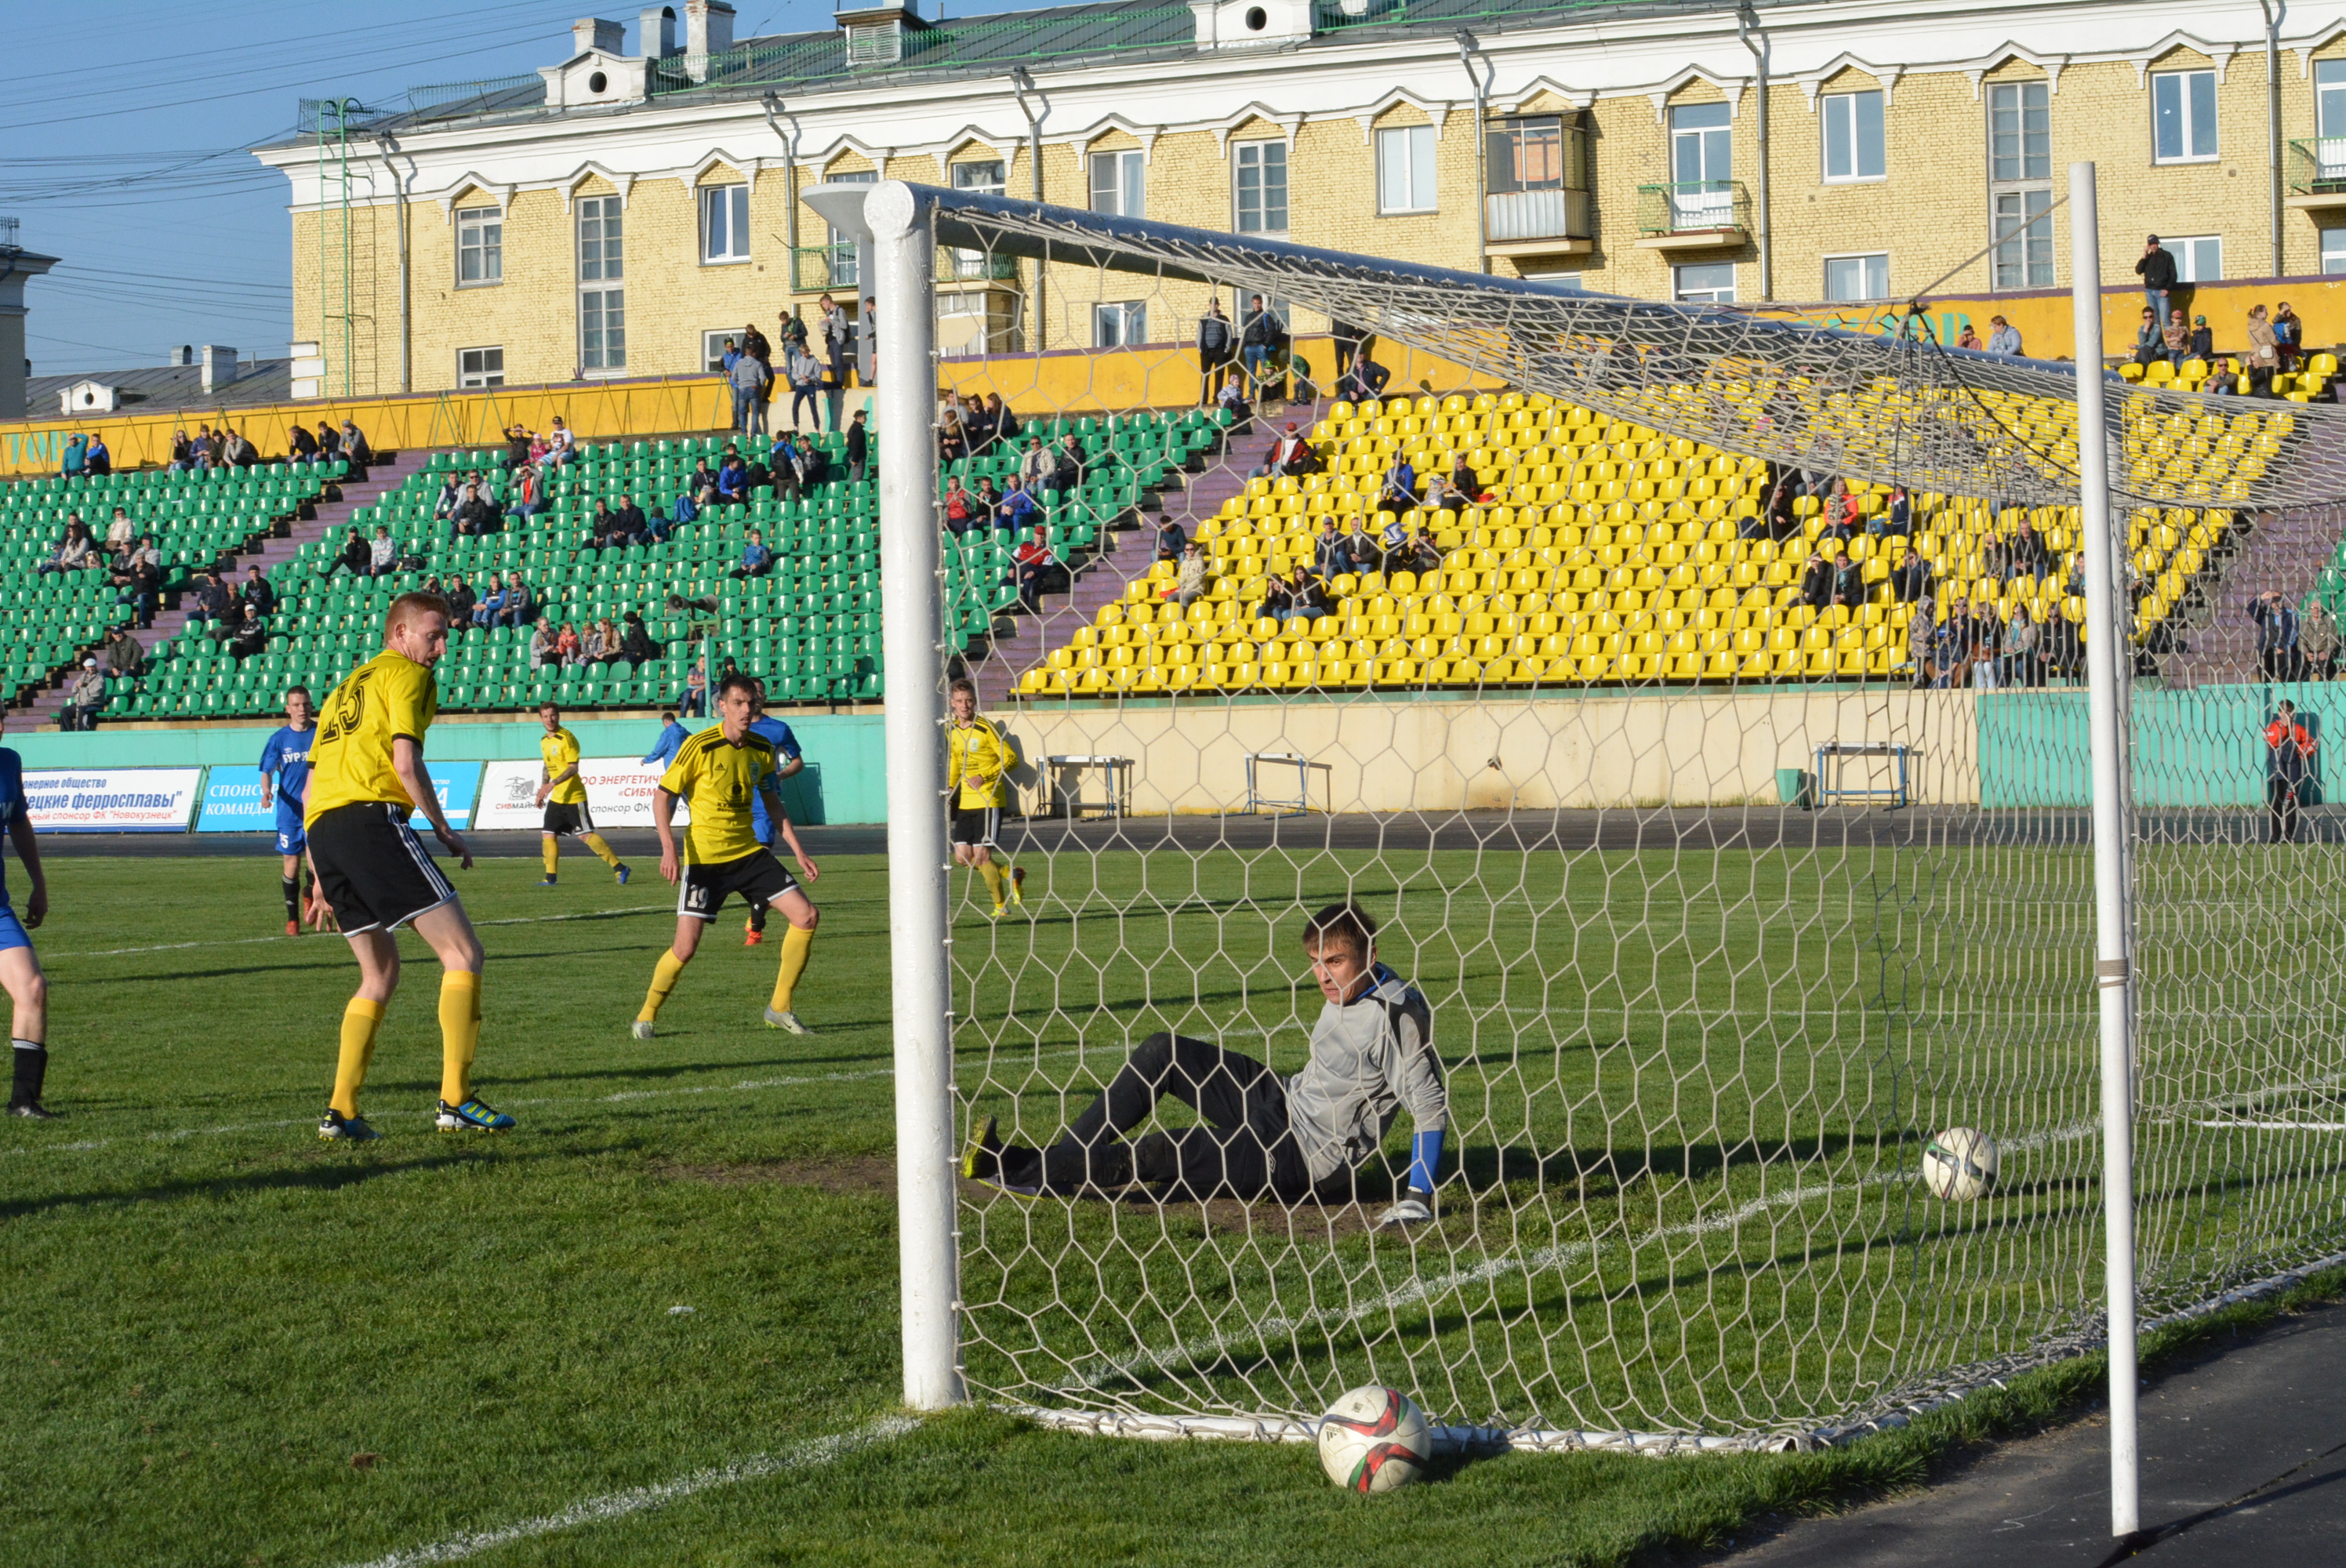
(388, 696)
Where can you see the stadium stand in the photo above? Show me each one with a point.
(1605, 554)
(2228, 374)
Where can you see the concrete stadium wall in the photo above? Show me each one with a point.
(1689, 748)
(2202, 747)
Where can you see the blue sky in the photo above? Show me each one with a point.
(122, 152)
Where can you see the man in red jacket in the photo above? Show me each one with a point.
(2288, 763)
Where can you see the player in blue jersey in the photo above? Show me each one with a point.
(20, 969)
(786, 750)
(284, 781)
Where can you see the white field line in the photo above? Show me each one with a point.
(256, 940)
(809, 1455)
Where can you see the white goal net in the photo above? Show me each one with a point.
(1727, 886)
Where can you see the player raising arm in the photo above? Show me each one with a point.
(977, 761)
(20, 967)
(716, 774)
(1372, 1055)
(563, 795)
(284, 775)
(366, 774)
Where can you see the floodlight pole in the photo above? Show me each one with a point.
(2107, 684)
(911, 600)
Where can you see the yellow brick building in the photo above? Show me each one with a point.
(615, 214)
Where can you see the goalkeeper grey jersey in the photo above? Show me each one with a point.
(1368, 1060)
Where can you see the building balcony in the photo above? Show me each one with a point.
(1537, 223)
(975, 266)
(1693, 215)
(817, 268)
(2317, 173)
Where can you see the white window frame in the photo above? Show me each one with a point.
(486, 226)
(602, 285)
(965, 177)
(1120, 324)
(2185, 92)
(724, 225)
(1256, 156)
(2019, 91)
(481, 374)
(1845, 112)
(1706, 295)
(1125, 192)
(2190, 251)
(1691, 129)
(2332, 248)
(1406, 177)
(1862, 256)
(2021, 235)
(2019, 187)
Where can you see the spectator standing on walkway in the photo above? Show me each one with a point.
(2276, 636)
(1215, 351)
(2317, 641)
(2157, 270)
(858, 449)
(748, 377)
(2264, 353)
(1259, 340)
(2288, 334)
(2288, 763)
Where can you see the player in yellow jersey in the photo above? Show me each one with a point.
(563, 795)
(366, 774)
(717, 773)
(977, 764)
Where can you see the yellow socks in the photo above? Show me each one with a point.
(602, 850)
(796, 945)
(460, 1034)
(664, 978)
(993, 875)
(551, 848)
(360, 1019)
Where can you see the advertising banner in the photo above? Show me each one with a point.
(232, 798)
(112, 800)
(619, 793)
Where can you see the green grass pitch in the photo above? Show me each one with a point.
(225, 1342)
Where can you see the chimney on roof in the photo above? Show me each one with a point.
(707, 26)
(219, 366)
(593, 33)
(185, 354)
(655, 32)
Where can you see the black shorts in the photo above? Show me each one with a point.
(373, 869)
(758, 876)
(974, 824)
(571, 818)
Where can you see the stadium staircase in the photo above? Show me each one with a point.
(2295, 552)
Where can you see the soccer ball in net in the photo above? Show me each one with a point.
(1960, 1163)
(1375, 1438)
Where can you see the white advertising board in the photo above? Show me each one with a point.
(112, 800)
(619, 793)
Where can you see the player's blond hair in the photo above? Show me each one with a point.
(407, 606)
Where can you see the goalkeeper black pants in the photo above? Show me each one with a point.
(1245, 1149)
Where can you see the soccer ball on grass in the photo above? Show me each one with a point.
(1960, 1163)
(1374, 1440)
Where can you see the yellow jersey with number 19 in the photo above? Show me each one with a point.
(388, 696)
(717, 781)
(560, 752)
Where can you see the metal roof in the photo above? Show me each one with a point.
(153, 389)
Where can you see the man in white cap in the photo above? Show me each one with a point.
(85, 695)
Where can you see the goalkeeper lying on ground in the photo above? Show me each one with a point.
(1371, 1055)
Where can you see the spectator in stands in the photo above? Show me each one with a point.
(382, 553)
(1390, 540)
(259, 592)
(601, 645)
(959, 511)
(141, 581)
(490, 603)
(1038, 569)
(727, 358)
(987, 502)
(354, 445)
(636, 641)
(1365, 381)
(1068, 461)
(516, 446)
(300, 446)
(2149, 338)
(1444, 492)
(519, 605)
(1215, 350)
(1421, 555)
(1362, 553)
(211, 601)
(544, 646)
(1000, 417)
(528, 488)
(749, 377)
(2003, 337)
(1260, 336)
(1996, 558)
(695, 702)
(602, 529)
(183, 451)
(1898, 517)
(858, 449)
(2264, 353)
(122, 652)
(629, 526)
(978, 425)
(702, 484)
(75, 551)
(1970, 339)
(2028, 553)
(804, 372)
(1400, 490)
(2277, 632)
(953, 440)
(1816, 582)
(2202, 346)
(1171, 538)
(1195, 582)
(85, 695)
(838, 344)
(1330, 554)
(2317, 641)
(1034, 465)
(2290, 747)
(238, 451)
(474, 514)
(1848, 582)
(1910, 577)
(95, 459)
(2023, 664)
(1841, 513)
(1290, 456)
(733, 479)
(1922, 641)
(2288, 335)
(121, 534)
(757, 560)
(445, 505)
(2157, 269)
(244, 634)
(1018, 511)
(73, 463)
(567, 646)
(1985, 631)
(1278, 598)
(784, 469)
(460, 598)
(561, 446)
(2175, 340)
(1307, 596)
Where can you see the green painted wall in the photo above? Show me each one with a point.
(2203, 748)
(845, 780)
